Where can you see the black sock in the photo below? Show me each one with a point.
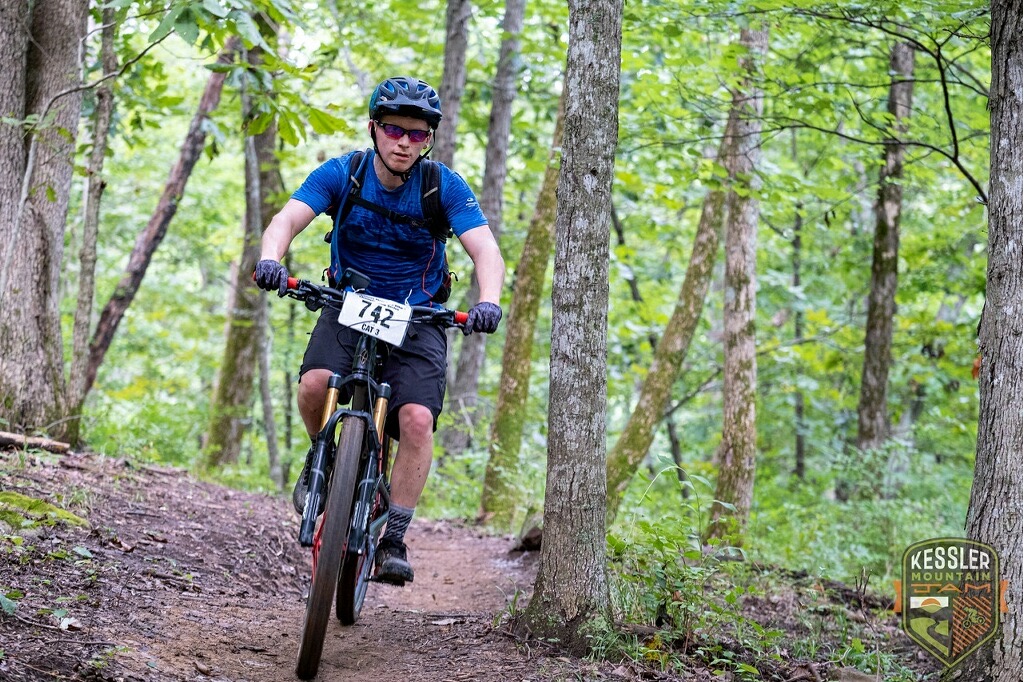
(398, 522)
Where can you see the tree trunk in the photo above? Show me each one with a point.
(500, 492)
(638, 434)
(14, 17)
(571, 589)
(799, 402)
(453, 80)
(232, 398)
(90, 231)
(150, 238)
(738, 450)
(465, 388)
(872, 410)
(38, 179)
(274, 467)
(994, 514)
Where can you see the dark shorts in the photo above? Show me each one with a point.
(417, 372)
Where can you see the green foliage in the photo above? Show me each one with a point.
(823, 75)
(9, 601)
(691, 593)
(21, 511)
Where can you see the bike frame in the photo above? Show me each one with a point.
(366, 392)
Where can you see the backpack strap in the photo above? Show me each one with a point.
(434, 218)
(430, 199)
(356, 174)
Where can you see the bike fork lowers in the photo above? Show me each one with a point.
(317, 489)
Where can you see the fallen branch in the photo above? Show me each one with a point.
(32, 442)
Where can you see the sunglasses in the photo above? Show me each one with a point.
(396, 132)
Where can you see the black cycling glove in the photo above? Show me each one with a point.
(483, 317)
(271, 275)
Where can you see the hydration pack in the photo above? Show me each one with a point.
(434, 220)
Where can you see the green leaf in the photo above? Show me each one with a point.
(286, 129)
(325, 124)
(187, 26)
(259, 124)
(747, 668)
(9, 606)
(215, 8)
(83, 552)
(248, 29)
(167, 25)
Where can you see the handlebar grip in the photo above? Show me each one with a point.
(293, 282)
(461, 317)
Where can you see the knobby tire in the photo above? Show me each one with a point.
(336, 521)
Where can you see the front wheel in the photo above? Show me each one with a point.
(355, 576)
(333, 531)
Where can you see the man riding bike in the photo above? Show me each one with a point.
(382, 229)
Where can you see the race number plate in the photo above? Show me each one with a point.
(377, 317)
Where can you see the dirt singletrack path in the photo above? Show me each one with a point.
(178, 579)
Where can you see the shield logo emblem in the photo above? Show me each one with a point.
(949, 596)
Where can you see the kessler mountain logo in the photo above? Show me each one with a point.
(950, 596)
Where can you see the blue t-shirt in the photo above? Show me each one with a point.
(403, 262)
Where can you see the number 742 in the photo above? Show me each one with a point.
(379, 314)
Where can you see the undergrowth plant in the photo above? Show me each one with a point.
(679, 597)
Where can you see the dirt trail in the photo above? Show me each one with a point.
(177, 579)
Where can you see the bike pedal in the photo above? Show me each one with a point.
(389, 581)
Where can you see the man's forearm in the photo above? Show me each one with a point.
(490, 274)
(289, 221)
(276, 240)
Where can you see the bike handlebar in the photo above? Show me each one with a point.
(316, 297)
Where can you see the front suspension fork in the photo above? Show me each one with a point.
(317, 489)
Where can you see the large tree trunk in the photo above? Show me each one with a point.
(994, 515)
(872, 410)
(151, 237)
(636, 438)
(32, 386)
(738, 450)
(90, 231)
(14, 17)
(453, 80)
(463, 390)
(501, 493)
(232, 398)
(571, 589)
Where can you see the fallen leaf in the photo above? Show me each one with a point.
(120, 544)
(202, 668)
(445, 621)
(71, 624)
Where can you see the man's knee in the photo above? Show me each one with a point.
(416, 421)
(313, 389)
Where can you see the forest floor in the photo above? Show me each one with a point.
(172, 578)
